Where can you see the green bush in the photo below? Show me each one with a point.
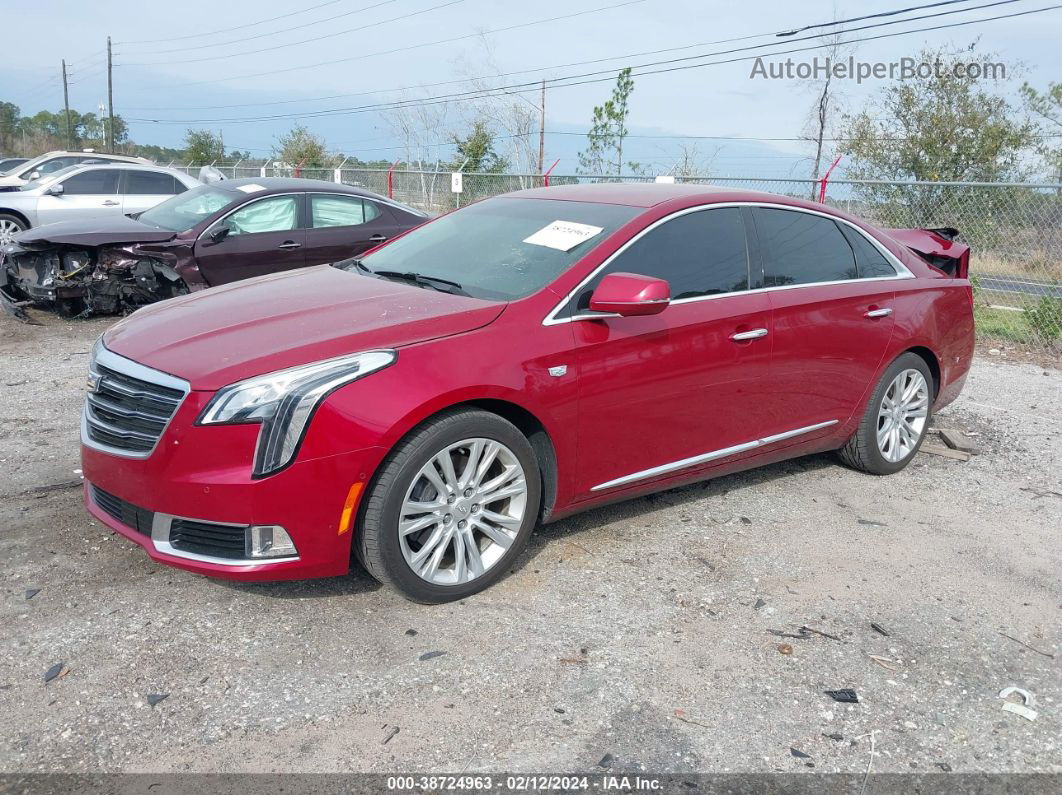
(1046, 318)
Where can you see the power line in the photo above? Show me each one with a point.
(307, 41)
(581, 78)
(276, 32)
(229, 30)
(871, 16)
(414, 46)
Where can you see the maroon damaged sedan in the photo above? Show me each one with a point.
(209, 235)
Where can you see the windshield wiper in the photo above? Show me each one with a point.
(410, 276)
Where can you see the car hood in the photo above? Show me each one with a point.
(93, 232)
(11, 181)
(221, 335)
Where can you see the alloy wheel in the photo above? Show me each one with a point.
(8, 230)
(902, 415)
(463, 511)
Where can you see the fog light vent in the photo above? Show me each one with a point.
(270, 541)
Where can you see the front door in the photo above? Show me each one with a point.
(262, 236)
(832, 311)
(86, 194)
(343, 226)
(681, 390)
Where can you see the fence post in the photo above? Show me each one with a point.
(337, 175)
(825, 179)
(391, 180)
(545, 177)
(262, 170)
(236, 167)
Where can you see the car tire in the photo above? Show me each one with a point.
(893, 428)
(469, 553)
(10, 225)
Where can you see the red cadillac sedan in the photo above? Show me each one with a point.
(424, 407)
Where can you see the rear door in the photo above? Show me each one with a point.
(686, 383)
(261, 236)
(141, 190)
(831, 293)
(86, 194)
(340, 226)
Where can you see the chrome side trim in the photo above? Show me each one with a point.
(714, 454)
(120, 364)
(160, 538)
(902, 272)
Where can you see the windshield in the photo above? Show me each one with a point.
(501, 249)
(7, 166)
(187, 209)
(44, 180)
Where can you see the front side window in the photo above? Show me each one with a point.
(95, 182)
(277, 214)
(698, 254)
(504, 248)
(150, 183)
(800, 248)
(331, 210)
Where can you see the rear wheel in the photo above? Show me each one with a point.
(10, 225)
(453, 506)
(895, 421)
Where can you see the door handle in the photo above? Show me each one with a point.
(883, 312)
(378, 238)
(110, 203)
(290, 244)
(745, 336)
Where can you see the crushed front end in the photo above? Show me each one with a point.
(80, 280)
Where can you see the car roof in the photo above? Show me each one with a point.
(73, 153)
(293, 183)
(649, 194)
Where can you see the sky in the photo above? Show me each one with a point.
(173, 61)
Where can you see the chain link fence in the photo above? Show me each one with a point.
(1014, 229)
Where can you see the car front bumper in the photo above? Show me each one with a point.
(144, 498)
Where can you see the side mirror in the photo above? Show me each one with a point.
(55, 190)
(629, 294)
(34, 175)
(220, 234)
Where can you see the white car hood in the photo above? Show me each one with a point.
(11, 181)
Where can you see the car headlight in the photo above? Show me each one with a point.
(284, 402)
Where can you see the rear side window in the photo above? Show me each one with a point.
(698, 254)
(97, 181)
(150, 183)
(332, 210)
(800, 248)
(870, 261)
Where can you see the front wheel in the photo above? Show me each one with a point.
(10, 225)
(895, 421)
(452, 507)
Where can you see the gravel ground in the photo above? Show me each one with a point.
(637, 637)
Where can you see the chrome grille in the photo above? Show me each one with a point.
(128, 405)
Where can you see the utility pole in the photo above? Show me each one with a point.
(542, 129)
(110, 99)
(221, 140)
(66, 104)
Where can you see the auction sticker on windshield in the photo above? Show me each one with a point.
(252, 188)
(563, 235)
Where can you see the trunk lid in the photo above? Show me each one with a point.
(938, 247)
